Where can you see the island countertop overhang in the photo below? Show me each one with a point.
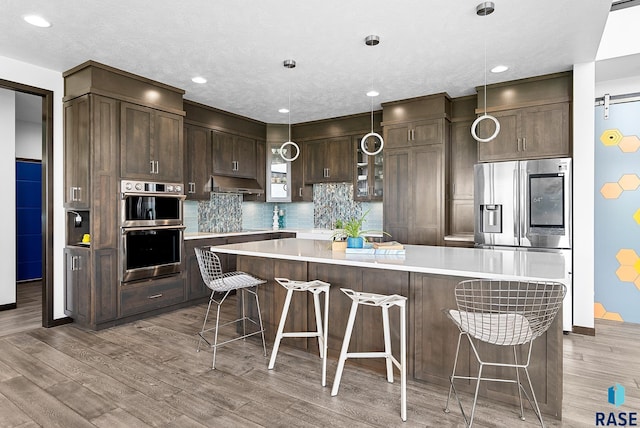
(463, 262)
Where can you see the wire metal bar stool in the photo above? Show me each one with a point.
(503, 313)
(219, 282)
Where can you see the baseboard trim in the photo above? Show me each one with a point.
(586, 331)
(8, 306)
(60, 321)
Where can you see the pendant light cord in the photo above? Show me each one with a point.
(485, 64)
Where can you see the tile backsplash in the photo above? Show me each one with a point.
(225, 212)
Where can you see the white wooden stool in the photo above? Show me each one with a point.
(384, 302)
(315, 287)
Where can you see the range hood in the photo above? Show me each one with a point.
(224, 184)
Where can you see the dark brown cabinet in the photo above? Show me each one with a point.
(414, 189)
(151, 144)
(198, 161)
(528, 133)
(463, 155)
(328, 160)
(77, 152)
(414, 133)
(145, 296)
(77, 300)
(368, 172)
(196, 288)
(234, 155)
(300, 192)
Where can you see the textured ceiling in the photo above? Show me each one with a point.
(427, 46)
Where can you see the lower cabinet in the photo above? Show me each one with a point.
(145, 296)
(77, 299)
(196, 287)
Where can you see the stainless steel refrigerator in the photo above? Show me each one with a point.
(523, 204)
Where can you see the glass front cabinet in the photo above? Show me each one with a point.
(278, 175)
(369, 172)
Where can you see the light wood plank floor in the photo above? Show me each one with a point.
(28, 313)
(147, 373)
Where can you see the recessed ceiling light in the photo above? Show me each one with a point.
(373, 93)
(499, 68)
(199, 79)
(283, 110)
(38, 21)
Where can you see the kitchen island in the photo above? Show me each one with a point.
(427, 276)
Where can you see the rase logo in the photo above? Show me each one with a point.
(615, 396)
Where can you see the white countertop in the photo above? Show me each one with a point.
(465, 262)
(203, 235)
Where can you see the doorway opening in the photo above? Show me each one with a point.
(44, 98)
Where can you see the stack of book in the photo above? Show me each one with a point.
(391, 247)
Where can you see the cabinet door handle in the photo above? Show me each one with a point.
(300, 191)
(154, 296)
(524, 144)
(157, 167)
(413, 134)
(153, 167)
(518, 144)
(408, 135)
(75, 263)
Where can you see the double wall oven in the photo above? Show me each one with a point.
(151, 222)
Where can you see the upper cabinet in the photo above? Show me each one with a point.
(534, 116)
(76, 153)
(234, 155)
(528, 133)
(415, 133)
(367, 180)
(278, 175)
(197, 166)
(151, 143)
(329, 160)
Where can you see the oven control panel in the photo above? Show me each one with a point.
(129, 186)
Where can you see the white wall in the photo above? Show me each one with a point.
(28, 74)
(8, 217)
(28, 140)
(583, 199)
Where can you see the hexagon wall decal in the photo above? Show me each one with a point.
(636, 216)
(629, 144)
(611, 137)
(627, 273)
(627, 257)
(611, 190)
(629, 182)
(599, 311)
(637, 283)
(636, 266)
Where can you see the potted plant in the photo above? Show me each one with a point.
(352, 229)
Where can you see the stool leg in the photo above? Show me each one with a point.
(403, 362)
(316, 305)
(345, 348)
(325, 337)
(264, 345)
(387, 343)
(204, 324)
(283, 318)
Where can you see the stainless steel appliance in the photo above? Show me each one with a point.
(523, 203)
(151, 204)
(148, 252)
(151, 222)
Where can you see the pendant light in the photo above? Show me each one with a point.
(371, 40)
(289, 63)
(484, 9)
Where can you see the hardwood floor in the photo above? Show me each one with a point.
(147, 373)
(28, 313)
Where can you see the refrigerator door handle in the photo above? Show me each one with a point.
(516, 204)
